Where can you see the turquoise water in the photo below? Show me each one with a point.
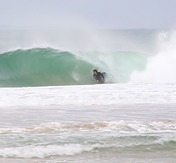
(52, 111)
(49, 67)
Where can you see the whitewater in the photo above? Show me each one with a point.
(53, 111)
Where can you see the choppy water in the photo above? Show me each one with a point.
(52, 110)
(58, 124)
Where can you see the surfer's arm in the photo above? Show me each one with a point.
(103, 75)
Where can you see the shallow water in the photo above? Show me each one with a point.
(94, 123)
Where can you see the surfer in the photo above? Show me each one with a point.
(99, 76)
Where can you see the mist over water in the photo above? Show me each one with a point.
(128, 121)
(52, 110)
(161, 66)
(67, 57)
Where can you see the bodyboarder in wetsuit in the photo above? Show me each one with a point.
(98, 76)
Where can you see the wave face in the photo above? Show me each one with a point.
(42, 66)
(48, 67)
(137, 56)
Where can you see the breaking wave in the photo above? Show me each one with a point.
(67, 139)
(48, 67)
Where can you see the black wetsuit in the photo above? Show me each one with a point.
(99, 77)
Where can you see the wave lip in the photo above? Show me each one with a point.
(51, 67)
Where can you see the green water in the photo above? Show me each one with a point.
(48, 67)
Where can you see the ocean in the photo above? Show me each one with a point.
(53, 111)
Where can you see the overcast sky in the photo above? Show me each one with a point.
(116, 14)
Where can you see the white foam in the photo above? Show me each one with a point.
(161, 67)
(121, 126)
(89, 95)
(43, 151)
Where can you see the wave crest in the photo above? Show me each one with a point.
(51, 67)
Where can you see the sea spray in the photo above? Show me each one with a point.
(161, 67)
(47, 66)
